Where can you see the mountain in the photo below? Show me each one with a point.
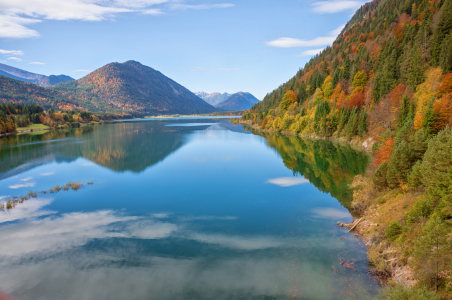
(213, 99)
(238, 101)
(131, 86)
(53, 79)
(26, 76)
(12, 90)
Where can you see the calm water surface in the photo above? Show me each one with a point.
(179, 209)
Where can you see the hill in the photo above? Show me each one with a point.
(213, 99)
(238, 101)
(131, 86)
(17, 91)
(41, 80)
(386, 84)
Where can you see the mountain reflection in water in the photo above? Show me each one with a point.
(179, 212)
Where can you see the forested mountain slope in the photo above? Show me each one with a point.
(386, 79)
(16, 91)
(131, 86)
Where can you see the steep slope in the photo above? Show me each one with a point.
(238, 101)
(17, 91)
(213, 99)
(41, 80)
(131, 86)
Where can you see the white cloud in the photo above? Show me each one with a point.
(328, 7)
(26, 179)
(12, 26)
(330, 213)
(29, 209)
(15, 15)
(21, 185)
(11, 52)
(180, 6)
(58, 233)
(311, 52)
(82, 71)
(288, 181)
(47, 174)
(154, 11)
(286, 42)
(236, 242)
(15, 58)
(37, 63)
(4, 197)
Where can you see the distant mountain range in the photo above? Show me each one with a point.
(37, 79)
(225, 101)
(238, 101)
(214, 98)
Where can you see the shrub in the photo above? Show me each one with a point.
(400, 292)
(420, 211)
(363, 192)
(393, 230)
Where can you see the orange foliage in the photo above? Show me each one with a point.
(384, 154)
(443, 112)
(41, 119)
(357, 99)
(445, 86)
(398, 33)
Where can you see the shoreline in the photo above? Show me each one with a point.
(403, 274)
(44, 129)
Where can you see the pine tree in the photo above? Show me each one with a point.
(399, 165)
(379, 177)
(418, 143)
(445, 59)
(415, 177)
(443, 28)
(404, 110)
(415, 67)
(436, 168)
(363, 123)
(429, 119)
(432, 252)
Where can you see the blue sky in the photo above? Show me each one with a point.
(205, 45)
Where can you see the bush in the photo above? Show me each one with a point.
(393, 230)
(400, 292)
(420, 211)
(363, 192)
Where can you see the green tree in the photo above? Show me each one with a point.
(415, 177)
(404, 110)
(443, 28)
(432, 252)
(415, 67)
(379, 177)
(436, 168)
(399, 165)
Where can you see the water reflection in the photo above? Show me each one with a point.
(330, 166)
(179, 212)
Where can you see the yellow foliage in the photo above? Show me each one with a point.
(426, 92)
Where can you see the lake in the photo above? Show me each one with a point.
(190, 208)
